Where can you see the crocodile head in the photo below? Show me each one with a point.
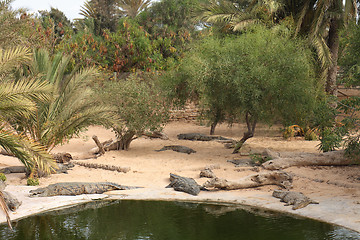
(40, 192)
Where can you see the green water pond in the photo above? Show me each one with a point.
(128, 219)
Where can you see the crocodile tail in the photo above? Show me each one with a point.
(121, 187)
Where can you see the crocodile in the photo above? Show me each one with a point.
(202, 137)
(184, 184)
(177, 148)
(77, 188)
(62, 168)
(298, 199)
(13, 169)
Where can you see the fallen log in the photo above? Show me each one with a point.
(11, 201)
(335, 158)
(278, 178)
(100, 146)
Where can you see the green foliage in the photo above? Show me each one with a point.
(311, 135)
(260, 74)
(139, 106)
(104, 14)
(171, 26)
(350, 58)
(70, 108)
(17, 100)
(32, 181)
(330, 140)
(258, 159)
(128, 49)
(169, 14)
(56, 20)
(10, 25)
(2, 177)
(334, 134)
(352, 149)
(132, 8)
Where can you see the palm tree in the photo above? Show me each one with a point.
(17, 100)
(319, 20)
(132, 8)
(322, 21)
(71, 106)
(237, 15)
(104, 13)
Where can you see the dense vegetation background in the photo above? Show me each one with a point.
(126, 62)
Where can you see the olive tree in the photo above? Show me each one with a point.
(138, 105)
(258, 76)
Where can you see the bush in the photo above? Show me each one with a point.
(2, 177)
(32, 181)
(139, 106)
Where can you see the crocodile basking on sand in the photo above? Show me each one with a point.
(177, 148)
(184, 184)
(202, 137)
(77, 188)
(297, 199)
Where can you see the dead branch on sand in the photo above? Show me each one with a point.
(335, 158)
(279, 178)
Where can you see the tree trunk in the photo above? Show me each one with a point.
(335, 158)
(251, 124)
(333, 44)
(212, 127)
(126, 139)
(279, 178)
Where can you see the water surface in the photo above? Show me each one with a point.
(170, 221)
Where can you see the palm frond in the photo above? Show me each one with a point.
(71, 107)
(30, 153)
(132, 8)
(12, 57)
(300, 19)
(218, 11)
(350, 10)
(88, 10)
(16, 98)
(241, 25)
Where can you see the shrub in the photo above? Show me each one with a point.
(139, 106)
(2, 177)
(32, 181)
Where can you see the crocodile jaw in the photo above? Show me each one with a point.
(40, 192)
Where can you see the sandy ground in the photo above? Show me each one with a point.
(336, 188)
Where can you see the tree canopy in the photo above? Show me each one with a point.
(260, 76)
